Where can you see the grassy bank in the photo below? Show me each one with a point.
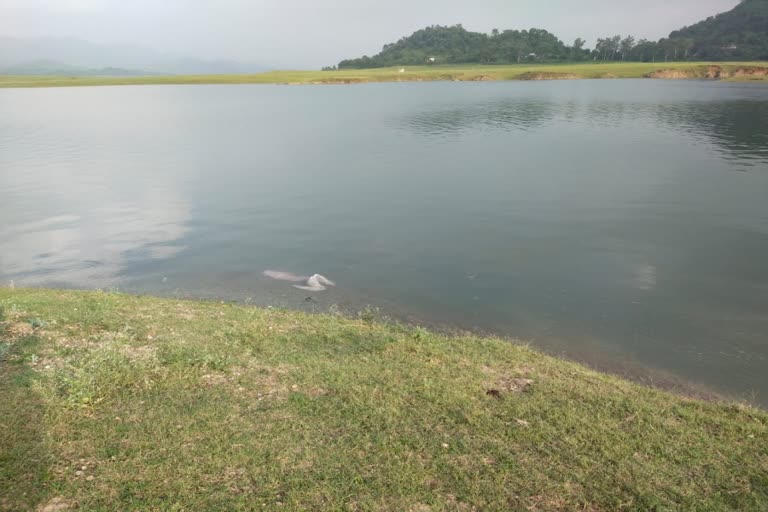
(114, 402)
(411, 73)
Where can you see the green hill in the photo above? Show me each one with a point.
(738, 35)
(456, 45)
(741, 33)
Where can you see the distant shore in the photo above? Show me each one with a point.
(732, 71)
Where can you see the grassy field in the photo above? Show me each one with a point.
(115, 402)
(412, 73)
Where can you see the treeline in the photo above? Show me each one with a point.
(738, 34)
(615, 48)
(456, 45)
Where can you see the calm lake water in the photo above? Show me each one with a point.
(622, 223)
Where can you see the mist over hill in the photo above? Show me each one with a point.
(55, 55)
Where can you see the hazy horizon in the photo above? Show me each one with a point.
(306, 34)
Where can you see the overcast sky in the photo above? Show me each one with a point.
(313, 33)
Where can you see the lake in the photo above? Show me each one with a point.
(623, 223)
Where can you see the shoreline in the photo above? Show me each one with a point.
(607, 360)
(731, 71)
(121, 402)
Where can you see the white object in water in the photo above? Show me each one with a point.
(284, 276)
(313, 283)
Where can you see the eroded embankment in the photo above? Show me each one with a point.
(711, 73)
(548, 75)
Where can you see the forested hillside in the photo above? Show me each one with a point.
(452, 45)
(740, 34)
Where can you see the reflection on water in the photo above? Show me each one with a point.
(738, 128)
(599, 219)
(93, 248)
(71, 217)
(504, 114)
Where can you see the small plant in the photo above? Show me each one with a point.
(369, 314)
(2, 313)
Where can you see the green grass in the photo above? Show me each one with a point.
(412, 73)
(118, 402)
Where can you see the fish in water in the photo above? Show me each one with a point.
(313, 283)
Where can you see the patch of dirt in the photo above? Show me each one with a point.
(454, 504)
(482, 78)
(541, 503)
(751, 71)
(145, 354)
(215, 379)
(608, 75)
(185, 312)
(671, 74)
(714, 72)
(257, 382)
(339, 81)
(711, 73)
(509, 382)
(55, 505)
(547, 75)
(515, 385)
(316, 392)
(19, 330)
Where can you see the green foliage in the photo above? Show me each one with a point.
(455, 45)
(24, 457)
(97, 375)
(741, 34)
(202, 356)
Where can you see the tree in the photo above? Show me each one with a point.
(608, 47)
(600, 47)
(577, 50)
(626, 47)
(614, 44)
(644, 51)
